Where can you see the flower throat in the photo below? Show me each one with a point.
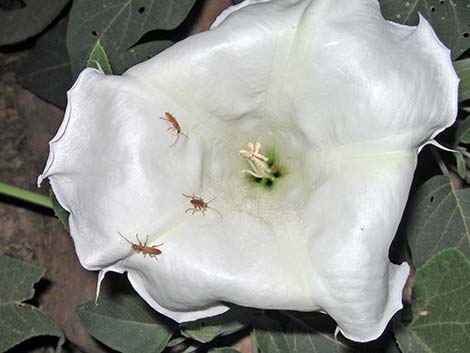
(264, 170)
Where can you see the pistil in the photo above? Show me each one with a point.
(260, 165)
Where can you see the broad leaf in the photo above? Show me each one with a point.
(463, 70)
(439, 219)
(449, 18)
(270, 336)
(17, 279)
(99, 59)
(192, 348)
(461, 167)
(60, 212)
(463, 132)
(126, 323)
(205, 330)
(119, 25)
(441, 314)
(176, 341)
(302, 339)
(23, 22)
(19, 321)
(46, 70)
(313, 332)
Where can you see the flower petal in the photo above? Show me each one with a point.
(111, 163)
(349, 63)
(221, 18)
(381, 81)
(208, 260)
(230, 70)
(351, 219)
(358, 94)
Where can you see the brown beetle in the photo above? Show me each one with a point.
(200, 205)
(152, 251)
(175, 126)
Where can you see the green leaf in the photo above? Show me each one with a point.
(17, 279)
(449, 18)
(46, 71)
(224, 350)
(28, 19)
(441, 314)
(461, 168)
(439, 219)
(205, 330)
(19, 321)
(99, 60)
(313, 332)
(463, 71)
(463, 132)
(192, 348)
(126, 323)
(119, 26)
(305, 339)
(176, 341)
(270, 336)
(60, 212)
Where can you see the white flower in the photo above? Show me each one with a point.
(340, 102)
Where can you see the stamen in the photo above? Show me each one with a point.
(256, 161)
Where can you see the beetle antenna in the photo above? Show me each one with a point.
(212, 208)
(211, 200)
(122, 236)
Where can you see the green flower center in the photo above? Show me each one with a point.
(263, 169)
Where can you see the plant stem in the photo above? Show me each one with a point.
(25, 195)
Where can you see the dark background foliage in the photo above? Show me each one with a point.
(45, 44)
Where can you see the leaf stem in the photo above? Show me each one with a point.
(25, 195)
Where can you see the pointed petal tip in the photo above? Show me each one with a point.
(398, 276)
(62, 128)
(39, 180)
(101, 275)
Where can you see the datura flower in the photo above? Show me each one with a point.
(265, 162)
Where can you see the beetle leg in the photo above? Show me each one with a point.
(176, 140)
(212, 208)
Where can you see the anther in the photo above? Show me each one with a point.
(256, 161)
